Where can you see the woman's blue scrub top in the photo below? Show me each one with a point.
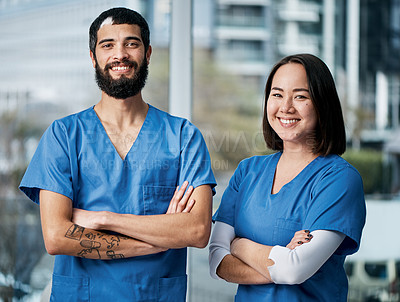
(326, 195)
(76, 158)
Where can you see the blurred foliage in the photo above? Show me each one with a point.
(370, 165)
(156, 90)
(15, 130)
(228, 111)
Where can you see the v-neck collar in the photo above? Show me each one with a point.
(144, 125)
(272, 176)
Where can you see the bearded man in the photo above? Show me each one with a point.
(123, 187)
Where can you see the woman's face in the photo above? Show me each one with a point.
(290, 110)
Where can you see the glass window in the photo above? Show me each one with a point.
(376, 270)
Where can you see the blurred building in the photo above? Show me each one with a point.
(358, 39)
(46, 57)
(242, 35)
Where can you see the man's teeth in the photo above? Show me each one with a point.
(120, 68)
(288, 121)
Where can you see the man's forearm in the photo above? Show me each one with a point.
(170, 231)
(63, 237)
(176, 230)
(86, 243)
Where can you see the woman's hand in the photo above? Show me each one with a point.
(299, 238)
(181, 202)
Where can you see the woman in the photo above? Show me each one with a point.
(306, 185)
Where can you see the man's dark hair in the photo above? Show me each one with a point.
(330, 135)
(119, 15)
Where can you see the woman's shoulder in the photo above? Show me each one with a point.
(258, 161)
(336, 162)
(336, 165)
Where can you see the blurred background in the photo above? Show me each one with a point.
(46, 73)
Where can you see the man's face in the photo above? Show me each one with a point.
(120, 62)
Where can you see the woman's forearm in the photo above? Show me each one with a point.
(253, 254)
(234, 270)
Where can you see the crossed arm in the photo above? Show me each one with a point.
(69, 231)
(243, 261)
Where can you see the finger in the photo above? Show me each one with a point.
(189, 206)
(183, 187)
(178, 196)
(305, 237)
(183, 202)
(182, 190)
(172, 203)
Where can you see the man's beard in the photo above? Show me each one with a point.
(123, 87)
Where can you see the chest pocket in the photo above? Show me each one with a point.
(284, 230)
(156, 199)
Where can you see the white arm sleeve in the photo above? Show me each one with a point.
(297, 265)
(220, 245)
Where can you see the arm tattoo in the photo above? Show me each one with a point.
(75, 232)
(92, 243)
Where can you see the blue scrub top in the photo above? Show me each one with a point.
(76, 158)
(325, 195)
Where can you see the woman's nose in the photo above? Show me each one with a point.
(287, 105)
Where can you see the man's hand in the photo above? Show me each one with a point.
(181, 202)
(87, 219)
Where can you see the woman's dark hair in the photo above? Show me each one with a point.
(119, 15)
(330, 135)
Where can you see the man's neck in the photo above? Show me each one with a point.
(122, 113)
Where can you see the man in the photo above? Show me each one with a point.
(107, 181)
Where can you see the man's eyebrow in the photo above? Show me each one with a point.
(133, 38)
(105, 40)
(126, 39)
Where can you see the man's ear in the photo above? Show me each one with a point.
(148, 54)
(93, 58)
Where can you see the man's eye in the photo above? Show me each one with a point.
(132, 44)
(106, 45)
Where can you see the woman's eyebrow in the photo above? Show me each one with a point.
(301, 89)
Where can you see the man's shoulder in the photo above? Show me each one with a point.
(165, 118)
(165, 115)
(73, 118)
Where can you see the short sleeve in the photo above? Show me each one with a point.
(195, 162)
(226, 209)
(50, 167)
(338, 204)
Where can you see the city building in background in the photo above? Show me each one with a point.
(242, 33)
(47, 73)
(358, 39)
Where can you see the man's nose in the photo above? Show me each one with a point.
(120, 53)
